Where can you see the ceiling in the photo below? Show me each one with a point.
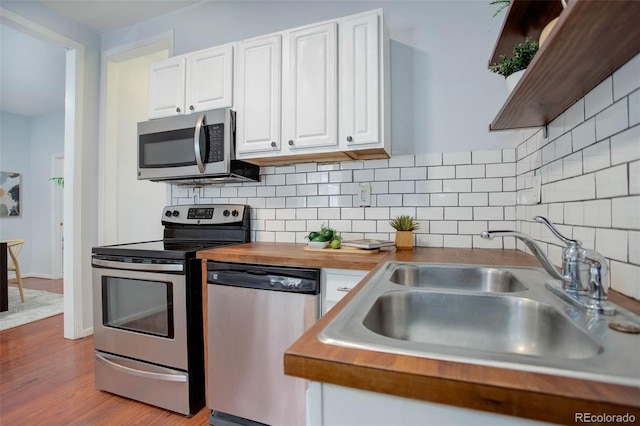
(33, 71)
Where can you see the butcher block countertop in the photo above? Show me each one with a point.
(518, 393)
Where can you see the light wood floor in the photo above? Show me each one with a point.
(46, 379)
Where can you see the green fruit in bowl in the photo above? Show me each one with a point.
(335, 244)
(319, 239)
(312, 235)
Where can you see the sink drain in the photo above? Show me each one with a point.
(625, 327)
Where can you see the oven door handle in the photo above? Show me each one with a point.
(196, 142)
(141, 373)
(153, 267)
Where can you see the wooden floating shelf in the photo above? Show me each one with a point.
(590, 41)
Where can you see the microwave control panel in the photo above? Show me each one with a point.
(216, 142)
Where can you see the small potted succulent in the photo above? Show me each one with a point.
(404, 226)
(513, 68)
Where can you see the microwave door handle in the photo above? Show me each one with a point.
(196, 142)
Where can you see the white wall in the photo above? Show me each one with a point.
(15, 136)
(442, 95)
(27, 146)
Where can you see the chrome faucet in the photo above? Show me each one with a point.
(584, 276)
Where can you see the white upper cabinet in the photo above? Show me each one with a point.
(311, 80)
(258, 95)
(166, 87)
(359, 81)
(193, 82)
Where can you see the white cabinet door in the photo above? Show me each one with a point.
(311, 102)
(209, 79)
(359, 81)
(337, 283)
(166, 87)
(258, 97)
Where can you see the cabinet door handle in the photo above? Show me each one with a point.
(349, 139)
(274, 144)
(291, 142)
(191, 107)
(178, 109)
(344, 289)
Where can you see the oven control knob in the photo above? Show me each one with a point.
(176, 213)
(167, 213)
(225, 213)
(235, 213)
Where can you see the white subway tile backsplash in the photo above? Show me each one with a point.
(461, 241)
(624, 278)
(596, 157)
(470, 171)
(625, 146)
(612, 182)
(574, 115)
(456, 185)
(597, 213)
(612, 243)
(402, 161)
(485, 157)
(625, 212)
(415, 200)
(430, 159)
(584, 134)
(430, 213)
(428, 186)
(634, 247)
(473, 199)
(441, 172)
(486, 185)
(626, 79)
(634, 178)
(458, 213)
(501, 170)
(509, 155)
(366, 175)
(443, 227)
(612, 120)
(443, 200)
(599, 98)
(488, 213)
(413, 173)
(387, 174)
(389, 200)
(634, 108)
(402, 187)
(502, 199)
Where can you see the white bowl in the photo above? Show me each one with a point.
(318, 244)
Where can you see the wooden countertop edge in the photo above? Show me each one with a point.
(524, 394)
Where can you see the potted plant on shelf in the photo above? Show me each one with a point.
(404, 226)
(513, 68)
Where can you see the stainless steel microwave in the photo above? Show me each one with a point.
(192, 149)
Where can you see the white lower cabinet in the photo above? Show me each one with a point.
(337, 283)
(333, 405)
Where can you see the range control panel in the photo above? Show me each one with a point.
(203, 214)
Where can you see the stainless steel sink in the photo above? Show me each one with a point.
(486, 323)
(472, 278)
(449, 312)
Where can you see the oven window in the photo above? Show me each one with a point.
(138, 305)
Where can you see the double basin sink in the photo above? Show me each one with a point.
(495, 316)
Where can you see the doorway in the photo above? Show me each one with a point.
(128, 205)
(75, 324)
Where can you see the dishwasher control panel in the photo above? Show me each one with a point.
(289, 279)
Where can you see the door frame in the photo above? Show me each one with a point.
(73, 289)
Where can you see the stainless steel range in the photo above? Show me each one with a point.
(148, 329)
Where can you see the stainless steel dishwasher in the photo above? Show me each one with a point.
(254, 313)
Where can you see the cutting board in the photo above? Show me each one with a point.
(342, 250)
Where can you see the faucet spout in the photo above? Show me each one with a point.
(535, 249)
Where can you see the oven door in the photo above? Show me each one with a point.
(140, 311)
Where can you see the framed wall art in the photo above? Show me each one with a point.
(9, 194)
